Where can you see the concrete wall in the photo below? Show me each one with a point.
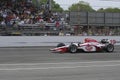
(12, 41)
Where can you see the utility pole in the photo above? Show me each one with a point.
(50, 5)
(37, 3)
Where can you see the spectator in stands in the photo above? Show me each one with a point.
(21, 22)
(57, 24)
(3, 23)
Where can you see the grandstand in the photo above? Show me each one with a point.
(21, 17)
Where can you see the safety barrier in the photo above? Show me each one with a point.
(18, 41)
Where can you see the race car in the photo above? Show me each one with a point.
(89, 45)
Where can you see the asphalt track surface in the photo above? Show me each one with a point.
(38, 63)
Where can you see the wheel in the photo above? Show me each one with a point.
(73, 48)
(109, 48)
(60, 45)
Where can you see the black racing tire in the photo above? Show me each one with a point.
(73, 48)
(60, 45)
(109, 48)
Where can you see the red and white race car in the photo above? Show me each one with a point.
(89, 45)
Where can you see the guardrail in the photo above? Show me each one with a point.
(18, 41)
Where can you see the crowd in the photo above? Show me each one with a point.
(14, 13)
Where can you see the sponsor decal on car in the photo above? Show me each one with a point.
(89, 48)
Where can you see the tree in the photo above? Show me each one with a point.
(109, 10)
(54, 6)
(100, 10)
(81, 6)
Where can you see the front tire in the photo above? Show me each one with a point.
(73, 48)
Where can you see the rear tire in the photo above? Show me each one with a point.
(109, 48)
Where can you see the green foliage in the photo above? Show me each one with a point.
(81, 6)
(109, 10)
(54, 6)
(57, 7)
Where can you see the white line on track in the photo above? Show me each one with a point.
(64, 67)
(64, 62)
